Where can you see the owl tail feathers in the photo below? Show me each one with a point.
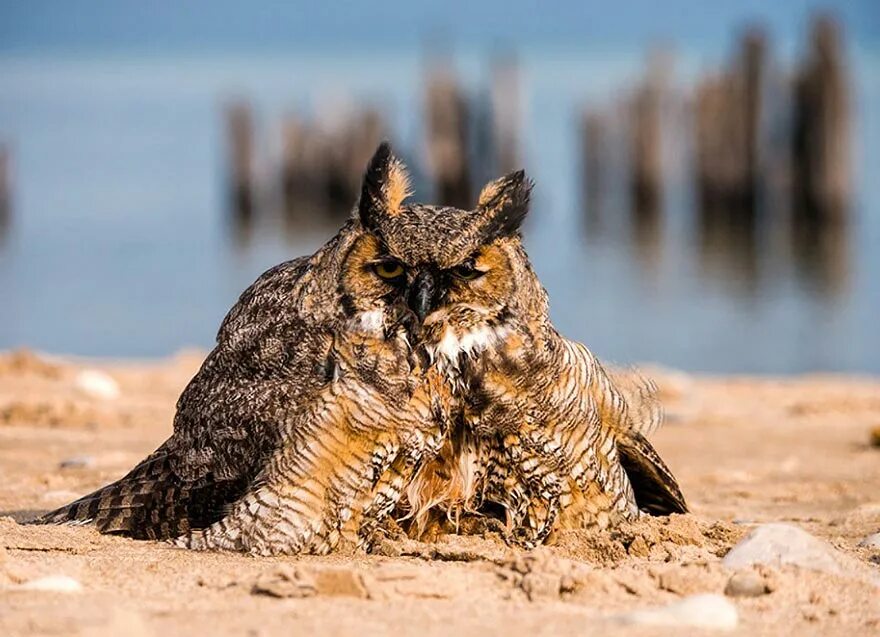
(656, 489)
(118, 507)
(644, 411)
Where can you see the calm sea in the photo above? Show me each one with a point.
(118, 244)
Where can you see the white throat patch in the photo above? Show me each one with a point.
(447, 353)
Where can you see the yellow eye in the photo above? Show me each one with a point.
(388, 269)
(467, 273)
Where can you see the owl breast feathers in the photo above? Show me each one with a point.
(408, 368)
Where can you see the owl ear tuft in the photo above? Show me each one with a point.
(386, 184)
(504, 203)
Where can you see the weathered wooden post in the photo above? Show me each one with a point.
(708, 113)
(5, 179)
(728, 113)
(593, 161)
(323, 163)
(645, 161)
(291, 139)
(365, 131)
(821, 128)
(726, 216)
(753, 49)
(239, 132)
(5, 189)
(645, 165)
(447, 140)
(821, 163)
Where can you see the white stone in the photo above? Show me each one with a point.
(707, 611)
(77, 462)
(788, 545)
(52, 583)
(782, 544)
(97, 384)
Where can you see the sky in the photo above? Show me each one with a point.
(162, 27)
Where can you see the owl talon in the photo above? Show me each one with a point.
(494, 525)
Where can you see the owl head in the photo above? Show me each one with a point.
(454, 277)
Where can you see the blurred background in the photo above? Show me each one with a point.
(708, 174)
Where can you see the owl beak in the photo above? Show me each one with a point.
(422, 294)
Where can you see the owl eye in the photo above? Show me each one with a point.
(466, 272)
(388, 270)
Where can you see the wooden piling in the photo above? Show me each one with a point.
(593, 161)
(292, 184)
(710, 139)
(322, 165)
(645, 156)
(752, 62)
(728, 108)
(448, 162)
(240, 151)
(645, 165)
(728, 113)
(364, 133)
(5, 189)
(821, 128)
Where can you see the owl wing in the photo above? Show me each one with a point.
(656, 489)
(345, 462)
(229, 418)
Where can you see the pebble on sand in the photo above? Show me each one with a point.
(788, 545)
(52, 583)
(875, 436)
(783, 544)
(707, 611)
(746, 584)
(77, 462)
(97, 384)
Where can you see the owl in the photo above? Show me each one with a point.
(308, 419)
(544, 434)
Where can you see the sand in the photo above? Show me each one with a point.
(747, 451)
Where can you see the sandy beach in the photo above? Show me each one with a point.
(748, 451)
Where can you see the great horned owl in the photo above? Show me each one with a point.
(305, 422)
(544, 430)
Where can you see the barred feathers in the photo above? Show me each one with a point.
(346, 460)
(554, 438)
(150, 503)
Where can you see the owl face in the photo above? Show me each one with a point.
(451, 277)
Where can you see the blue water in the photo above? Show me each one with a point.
(119, 244)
